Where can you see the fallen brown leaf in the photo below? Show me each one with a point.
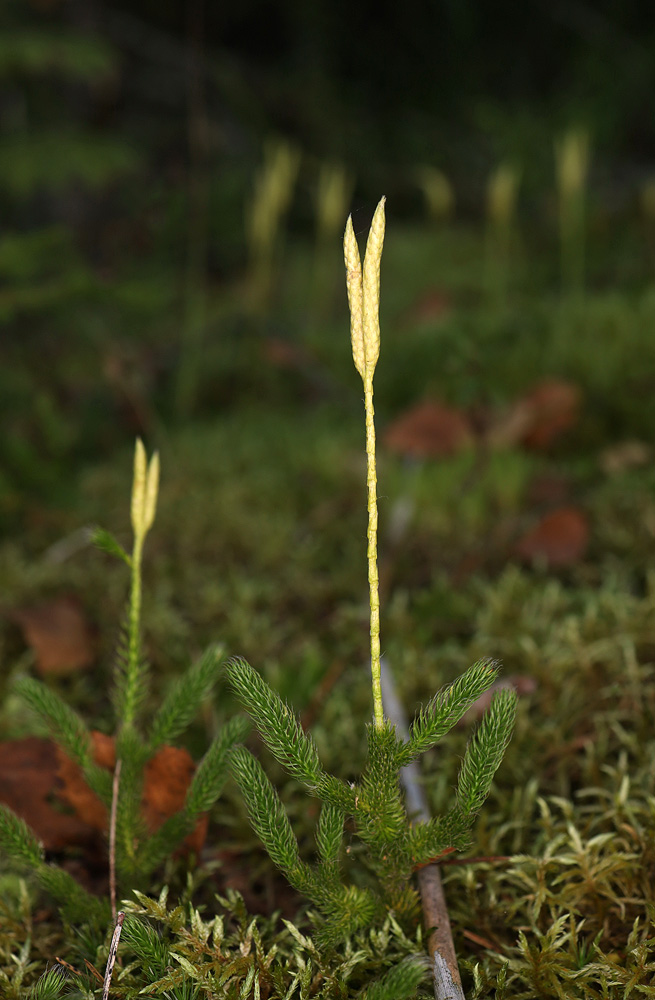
(555, 407)
(166, 780)
(60, 634)
(429, 430)
(74, 790)
(538, 418)
(559, 539)
(28, 778)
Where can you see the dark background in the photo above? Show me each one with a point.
(130, 137)
(377, 86)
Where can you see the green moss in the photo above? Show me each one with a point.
(259, 542)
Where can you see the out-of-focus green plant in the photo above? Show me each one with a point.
(52, 164)
(38, 153)
(502, 195)
(333, 193)
(271, 197)
(393, 846)
(438, 193)
(571, 169)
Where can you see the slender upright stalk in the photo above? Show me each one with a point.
(265, 215)
(372, 551)
(502, 191)
(145, 487)
(112, 837)
(133, 636)
(572, 166)
(363, 286)
(441, 947)
(113, 952)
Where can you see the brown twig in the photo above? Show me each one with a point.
(113, 951)
(112, 837)
(94, 972)
(447, 980)
(67, 965)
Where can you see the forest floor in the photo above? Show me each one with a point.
(516, 486)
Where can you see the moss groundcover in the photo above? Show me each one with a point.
(259, 544)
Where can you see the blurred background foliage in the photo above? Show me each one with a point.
(174, 181)
(146, 209)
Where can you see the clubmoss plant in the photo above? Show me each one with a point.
(174, 951)
(572, 167)
(334, 189)
(393, 845)
(502, 192)
(136, 852)
(50, 985)
(437, 192)
(265, 214)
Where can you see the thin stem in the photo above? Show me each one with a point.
(572, 242)
(113, 951)
(133, 643)
(112, 837)
(373, 580)
(447, 981)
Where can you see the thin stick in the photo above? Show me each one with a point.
(94, 972)
(113, 950)
(112, 837)
(447, 980)
(67, 965)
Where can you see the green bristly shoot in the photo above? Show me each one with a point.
(393, 846)
(137, 853)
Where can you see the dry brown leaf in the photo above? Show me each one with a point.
(28, 778)
(537, 418)
(166, 780)
(558, 539)
(74, 790)
(429, 430)
(555, 408)
(60, 634)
